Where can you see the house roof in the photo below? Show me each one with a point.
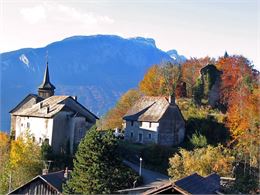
(193, 184)
(147, 108)
(152, 109)
(54, 180)
(196, 184)
(49, 107)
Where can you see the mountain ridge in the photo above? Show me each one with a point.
(98, 69)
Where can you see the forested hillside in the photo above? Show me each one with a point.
(219, 99)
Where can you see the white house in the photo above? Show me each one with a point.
(59, 120)
(155, 120)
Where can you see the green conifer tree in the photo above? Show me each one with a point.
(98, 168)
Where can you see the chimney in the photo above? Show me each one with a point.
(75, 97)
(45, 171)
(172, 99)
(41, 104)
(66, 173)
(48, 109)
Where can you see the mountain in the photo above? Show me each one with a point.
(176, 57)
(98, 69)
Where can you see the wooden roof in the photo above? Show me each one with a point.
(147, 108)
(54, 180)
(152, 109)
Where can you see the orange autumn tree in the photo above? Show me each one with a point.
(243, 121)
(113, 118)
(171, 75)
(152, 83)
(234, 70)
(161, 80)
(239, 92)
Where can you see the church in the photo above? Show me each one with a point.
(59, 120)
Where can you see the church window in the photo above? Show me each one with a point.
(40, 140)
(28, 125)
(132, 134)
(150, 136)
(132, 123)
(150, 124)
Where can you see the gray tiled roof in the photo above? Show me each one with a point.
(54, 104)
(147, 108)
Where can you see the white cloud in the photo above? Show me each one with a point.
(54, 12)
(33, 14)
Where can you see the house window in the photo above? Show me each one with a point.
(132, 123)
(132, 134)
(150, 136)
(140, 137)
(150, 124)
(28, 125)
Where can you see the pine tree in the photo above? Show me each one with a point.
(97, 166)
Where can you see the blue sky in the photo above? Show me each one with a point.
(194, 28)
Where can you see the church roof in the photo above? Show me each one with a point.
(51, 106)
(26, 100)
(148, 108)
(46, 84)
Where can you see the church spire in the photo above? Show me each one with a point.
(46, 89)
(226, 55)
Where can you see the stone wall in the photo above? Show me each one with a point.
(172, 127)
(141, 132)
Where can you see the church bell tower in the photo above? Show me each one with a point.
(46, 89)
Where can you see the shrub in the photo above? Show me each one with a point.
(198, 140)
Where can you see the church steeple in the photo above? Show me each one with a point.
(226, 55)
(46, 89)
